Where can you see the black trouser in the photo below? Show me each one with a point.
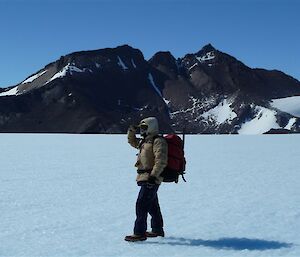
(147, 202)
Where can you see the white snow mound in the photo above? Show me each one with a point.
(264, 120)
(290, 105)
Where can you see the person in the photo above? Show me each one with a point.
(151, 161)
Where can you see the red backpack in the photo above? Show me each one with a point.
(176, 159)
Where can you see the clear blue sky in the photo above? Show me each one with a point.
(260, 33)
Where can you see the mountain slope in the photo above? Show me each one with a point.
(103, 91)
(219, 94)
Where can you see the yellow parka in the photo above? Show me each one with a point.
(152, 157)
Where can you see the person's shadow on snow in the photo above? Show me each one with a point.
(237, 244)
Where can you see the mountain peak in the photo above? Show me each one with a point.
(122, 49)
(206, 49)
(165, 59)
(161, 57)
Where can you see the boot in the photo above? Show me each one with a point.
(155, 234)
(135, 238)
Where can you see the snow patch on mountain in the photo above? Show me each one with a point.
(193, 66)
(140, 108)
(291, 123)
(167, 101)
(34, 77)
(68, 68)
(290, 105)
(221, 113)
(59, 74)
(151, 79)
(133, 63)
(207, 57)
(196, 106)
(264, 120)
(11, 92)
(156, 88)
(75, 69)
(122, 64)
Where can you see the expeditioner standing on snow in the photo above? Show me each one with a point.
(151, 161)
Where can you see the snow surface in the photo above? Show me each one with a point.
(221, 113)
(264, 120)
(290, 105)
(34, 77)
(74, 195)
(13, 91)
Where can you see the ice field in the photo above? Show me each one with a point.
(74, 195)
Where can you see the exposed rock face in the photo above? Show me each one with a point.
(104, 91)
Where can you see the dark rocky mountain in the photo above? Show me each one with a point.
(104, 91)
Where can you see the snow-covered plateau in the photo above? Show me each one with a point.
(74, 195)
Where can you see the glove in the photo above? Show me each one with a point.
(151, 181)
